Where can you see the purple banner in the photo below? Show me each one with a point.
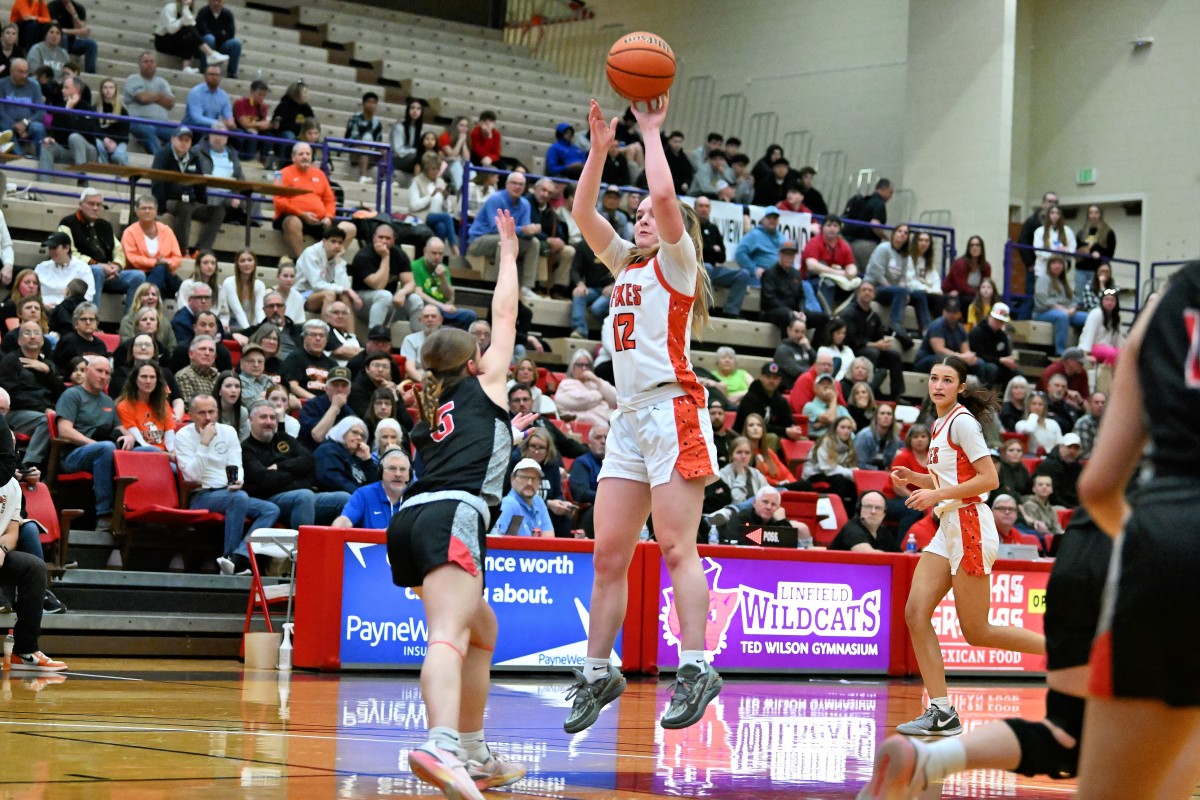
(798, 616)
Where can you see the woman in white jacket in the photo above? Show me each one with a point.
(175, 34)
(240, 300)
(924, 277)
(428, 198)
(1043, 433)
(1054, 235)
(1102, 338)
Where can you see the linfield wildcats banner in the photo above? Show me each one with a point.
(730, 217)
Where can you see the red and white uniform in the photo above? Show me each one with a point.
(661, 423)
(966, 530)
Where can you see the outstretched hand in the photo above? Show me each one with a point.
(507, 229)
(522, 421)
(601, 134)
(651, 114)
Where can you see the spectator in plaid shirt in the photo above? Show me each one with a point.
(364, 127)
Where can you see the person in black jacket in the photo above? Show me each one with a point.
(867, 336)
(552, 237)
(181, 203)
(235, 207)
(681, 167)
(716, 257)
(70, 136)
(592, 287)
(783, 297)
(34, 387)
(281, 471)
(520, 401)
(765, 399)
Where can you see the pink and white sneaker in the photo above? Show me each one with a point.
(899, 770)
(443, 769)
(497, 771)
(35, 662)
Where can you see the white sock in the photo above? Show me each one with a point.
(595, 669)
(945, 757)
(693, 657)
(476, 747)
(942, 703)
(445, 738)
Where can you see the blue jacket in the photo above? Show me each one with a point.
(758, 248)
(585, 474)
(485, 220)
(338, 471)
(562, 153)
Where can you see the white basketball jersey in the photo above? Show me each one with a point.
(651, 323)
(956, 443)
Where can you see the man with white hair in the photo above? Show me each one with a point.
(35, 387)
(431, 276)
(767, 509)
(95, 243)
(374, 505)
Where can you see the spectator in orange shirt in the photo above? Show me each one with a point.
(31, 18)
(306, 214)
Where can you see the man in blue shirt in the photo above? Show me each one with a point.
(373, 505)
(758, 250)
(207, 102)
(25, 123)
(525, 502)
(946, 336)
(485, 237)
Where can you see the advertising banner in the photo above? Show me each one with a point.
(729, 219)
(1019, 599)
(540, 597)
(792, 616)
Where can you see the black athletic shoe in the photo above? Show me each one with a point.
(590, 698)
(52, 605)
(694, 690)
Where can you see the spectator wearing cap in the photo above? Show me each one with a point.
(947, 336)
(765, 398)
(281, 471)
(322, 412)
(828, 261)
(716, 263)
(252, 368)
(867, 336)
(250, 115)
(379, 342)
(1063, 467)
(374, 505)
(208, 103)
(711, 170)
(759, 249)
(786, 296)
(564, 158)
(94, 242)
(991, 342)
(825, 408)
(803, 389)
(60, 269)
(1072, 366)
(525, 501)
(148, 96)
(306, 369)
(179, 203)
(795, 354)
(431, 276)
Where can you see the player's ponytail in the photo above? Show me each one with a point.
(444, 355)
(981, 401)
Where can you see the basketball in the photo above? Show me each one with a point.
(640, 66)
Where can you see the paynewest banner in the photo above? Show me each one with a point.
(730, 220)
(790, 616)
(540, 598)
(1018, 599)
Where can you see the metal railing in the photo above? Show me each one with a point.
(1152, 283)
(1010, 248)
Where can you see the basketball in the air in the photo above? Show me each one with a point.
(640, 66)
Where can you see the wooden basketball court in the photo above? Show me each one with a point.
(152, 728)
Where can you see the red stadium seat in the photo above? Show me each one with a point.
(1020, 437)
(235, 350)
(1064, 517)
(54, 478)
(39, 506)
(1031, 463)
(400, 361)
(878, 480)
(148, 499)
(796, 452)
(111, 340)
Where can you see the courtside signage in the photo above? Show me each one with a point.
(1018, 599)
(541, 600)
(788, 616)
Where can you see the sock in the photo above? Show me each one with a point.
(445, 738)
(942, 703)
(595, 669)
(945, 757)
(476, 747)
(693, 657)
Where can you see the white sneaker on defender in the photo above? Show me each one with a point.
(443, 769)
(899, 770)
(497, 771)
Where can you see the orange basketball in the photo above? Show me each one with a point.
(640, 66)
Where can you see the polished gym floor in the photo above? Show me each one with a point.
(142, 728)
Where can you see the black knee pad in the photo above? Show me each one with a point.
(1041, 753)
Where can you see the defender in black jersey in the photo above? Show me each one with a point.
(1141, 735)
(437, 540)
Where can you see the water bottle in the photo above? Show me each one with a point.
(645, 534)
(9, 642)
(285, 649)
(285, 693)
(713, 536)
(910, 544)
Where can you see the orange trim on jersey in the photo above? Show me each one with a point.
(964, 468)
(1101, 682)
(679, 319)
(972, 540)
(693, 460)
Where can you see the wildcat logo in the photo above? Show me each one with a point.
(722, 603)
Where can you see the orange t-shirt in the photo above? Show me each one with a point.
(136, 414)
(319, 200)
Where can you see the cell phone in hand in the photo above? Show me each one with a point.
(231, 474)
